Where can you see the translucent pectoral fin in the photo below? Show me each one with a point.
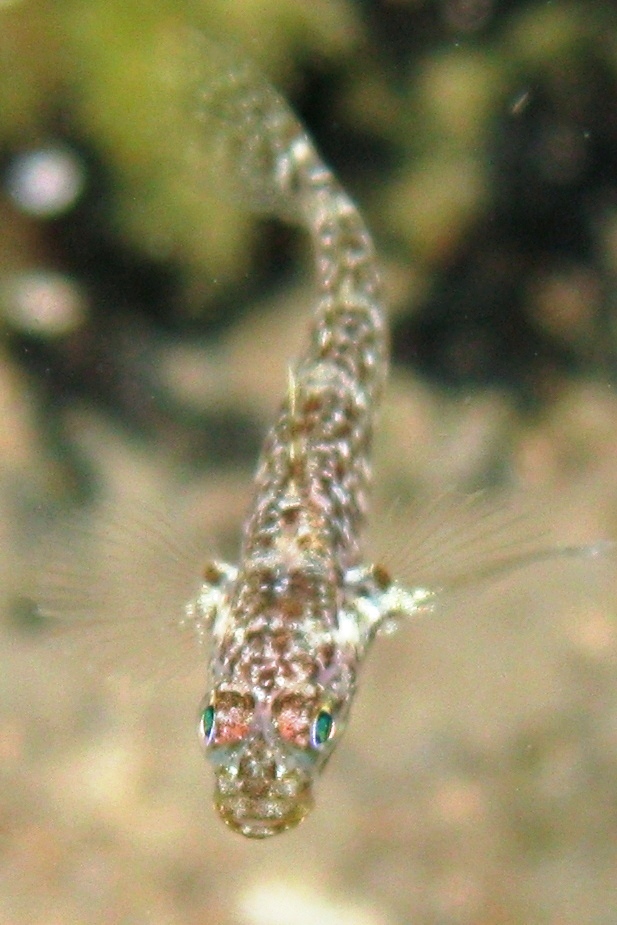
(453, 548)
(508, 565)
(125, 593)
(381, 605)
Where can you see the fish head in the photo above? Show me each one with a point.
(266, 754)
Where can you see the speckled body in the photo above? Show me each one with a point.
(293, 622)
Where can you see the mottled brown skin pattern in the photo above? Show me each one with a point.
(287, 642)
(291, 625)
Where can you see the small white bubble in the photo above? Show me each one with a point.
(46, 182)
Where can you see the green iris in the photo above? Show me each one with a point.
(208, 722)
(322, 728)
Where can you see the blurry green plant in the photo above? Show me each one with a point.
(121, 75)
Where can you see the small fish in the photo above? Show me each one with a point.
(292, 624)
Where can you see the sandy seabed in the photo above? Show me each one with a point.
(477, 783)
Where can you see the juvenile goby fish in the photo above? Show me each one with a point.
(292, 623)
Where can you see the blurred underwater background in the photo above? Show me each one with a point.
(147, 323)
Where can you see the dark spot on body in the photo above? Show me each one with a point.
(382, 577)
(325, 654)
(211, 573)
(291, 609)
(290, 515)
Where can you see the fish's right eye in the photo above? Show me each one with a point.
(322, 729)
(206, 724)
(226, 719)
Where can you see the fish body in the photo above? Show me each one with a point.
(292, 623)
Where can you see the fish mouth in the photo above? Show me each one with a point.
(259, 815)
(262, 789)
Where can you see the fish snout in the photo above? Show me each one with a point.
(263, 794)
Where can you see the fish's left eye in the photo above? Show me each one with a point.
(323, 727)
(206, 724)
